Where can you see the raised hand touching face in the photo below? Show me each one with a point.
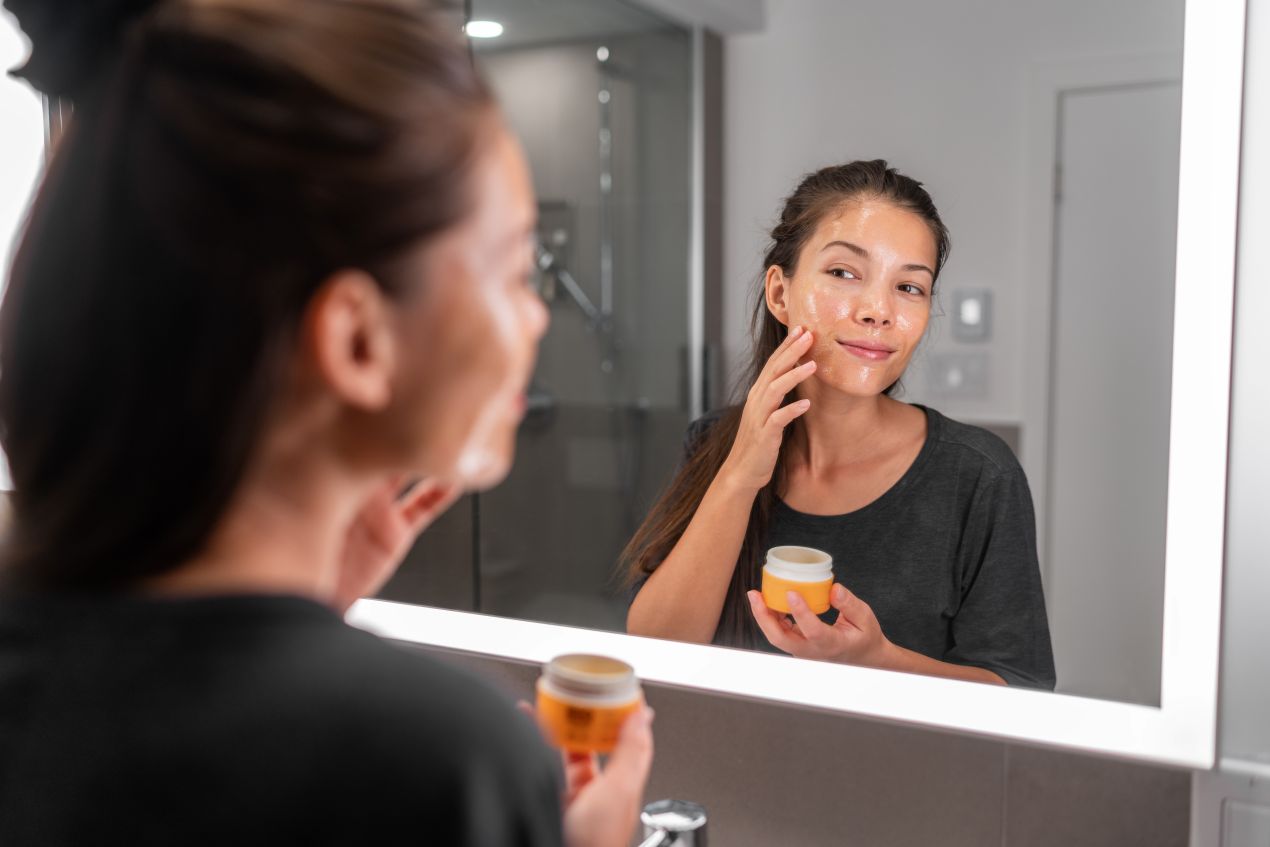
(383, 531)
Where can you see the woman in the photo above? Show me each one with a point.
(275, 275)
(929, 521)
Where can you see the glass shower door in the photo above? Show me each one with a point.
(599, 92)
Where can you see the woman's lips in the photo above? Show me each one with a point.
(873, 353)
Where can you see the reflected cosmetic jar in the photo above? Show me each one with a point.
(583, 700)
(803, 569)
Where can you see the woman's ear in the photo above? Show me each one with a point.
(776, 290)
(350, 341)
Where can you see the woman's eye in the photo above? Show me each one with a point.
(909, 288)
(842, 273)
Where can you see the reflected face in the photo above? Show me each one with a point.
(470, 337)
(863, 285)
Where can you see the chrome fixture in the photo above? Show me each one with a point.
(674, 823)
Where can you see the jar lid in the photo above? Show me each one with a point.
(801, 564)
(585, 674)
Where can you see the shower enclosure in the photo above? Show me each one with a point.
(600, 94)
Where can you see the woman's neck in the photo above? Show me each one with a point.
(840, 430)
(282, 533)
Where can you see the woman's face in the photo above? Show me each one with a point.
(863, 285)
(469, 338)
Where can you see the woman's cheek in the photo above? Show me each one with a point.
(911, 324)
(507, 347)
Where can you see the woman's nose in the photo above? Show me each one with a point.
(874, 310)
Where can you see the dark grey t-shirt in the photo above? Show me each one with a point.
(946, 558)
(252, 720)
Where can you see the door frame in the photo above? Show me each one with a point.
(1049, 82)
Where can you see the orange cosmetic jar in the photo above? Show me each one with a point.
(802, 569)
(583, 700)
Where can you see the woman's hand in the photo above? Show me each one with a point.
(601, 807)
(854, 638)
(763, 421)
(381, 534)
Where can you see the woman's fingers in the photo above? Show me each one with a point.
(632, 758)
(770, 623)
(427, 501)
(580, 769)
(783, 384)
(850, 608)
(786, 356)
(782, 417)
(811, 626)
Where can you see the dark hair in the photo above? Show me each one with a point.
(225, 158)
(817, 195)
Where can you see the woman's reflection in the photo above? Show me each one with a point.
(929, 521)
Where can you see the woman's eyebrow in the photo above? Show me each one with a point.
(918, 268)
(864, 254)
(854, 248)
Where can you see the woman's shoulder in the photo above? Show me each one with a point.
(284, 662)
(976, 444)
(388, 715)
(400, 684)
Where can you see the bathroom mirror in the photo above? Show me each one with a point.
(617, 99)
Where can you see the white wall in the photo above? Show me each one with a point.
(941, 90)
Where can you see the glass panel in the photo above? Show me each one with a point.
(599, 92)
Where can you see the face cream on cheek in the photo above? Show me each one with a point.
(805, 570)
(583, 701)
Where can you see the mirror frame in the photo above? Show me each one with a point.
(1182, 730)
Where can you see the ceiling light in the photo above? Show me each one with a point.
(483, 29)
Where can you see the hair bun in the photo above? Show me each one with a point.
(72, 41)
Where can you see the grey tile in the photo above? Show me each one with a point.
(770, 775)
(775, 776)
(1055, 798)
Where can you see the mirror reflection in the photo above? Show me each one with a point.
(1028, 385)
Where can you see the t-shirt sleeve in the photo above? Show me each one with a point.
(1001, 623)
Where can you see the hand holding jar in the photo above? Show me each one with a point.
(854, 638)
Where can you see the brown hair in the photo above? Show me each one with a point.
(225, 158)
(817, 195)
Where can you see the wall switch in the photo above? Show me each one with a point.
(972, 314)
(962, 375)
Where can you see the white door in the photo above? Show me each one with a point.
(1115, 224)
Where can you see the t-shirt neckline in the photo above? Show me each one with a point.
(906, 479)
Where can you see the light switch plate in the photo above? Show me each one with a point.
(972, 314)
(961, 375)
